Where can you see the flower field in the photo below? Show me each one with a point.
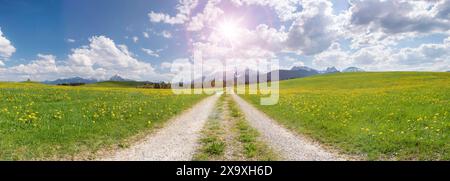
(39, 122)
(380, 116)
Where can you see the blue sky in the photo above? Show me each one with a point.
(45, 26)
(64, 38)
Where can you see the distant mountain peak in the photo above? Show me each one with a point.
(331, 70)
(71, 80)
(117, 78)
(305, 68)
(353, 69)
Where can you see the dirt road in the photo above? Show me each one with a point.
(177, 140)
(289, 145)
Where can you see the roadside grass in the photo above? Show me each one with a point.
(212, 142)
(253, 147)
(43, 122)
(379, 115)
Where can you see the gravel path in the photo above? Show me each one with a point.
(289, 145)
(176, 141)
(233, 151)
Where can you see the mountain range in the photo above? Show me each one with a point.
(353, 69)
(303, 71)
(284, 74)
(73, 80)
(77, 80)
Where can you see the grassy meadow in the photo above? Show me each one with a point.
(40, 122)
(380, 116)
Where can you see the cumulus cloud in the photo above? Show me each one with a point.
(431, 57)
(6, 48)
(166, 65)
(333, 57)
(184, 16)
(373, 28)
(314, 30)
(397, 16)
(442, 9)
(104, 56)
(135, 39)
(146, 35)
(310, 28)
(426, 56)
(296, 64)
(151, 52)
(209, 15)
(101, 59)
(166, 34)
(385, 22)
(184, 9)
(41, 68)
(285, 9)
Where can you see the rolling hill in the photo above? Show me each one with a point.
(378, 115)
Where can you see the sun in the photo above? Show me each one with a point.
(229, 30)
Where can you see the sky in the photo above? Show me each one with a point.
(149, 39)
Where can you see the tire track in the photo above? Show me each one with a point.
(176, 141)
(288, 144)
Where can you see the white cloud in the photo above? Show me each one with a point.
(314, 30)
(6, 48)
(397, 16)
(333, 57)
(104, 56)
(372, 27)
(209, 15)
(184, 9)
(166, 34)
(145, 34)
(101, 59)
(166, 65)
(41, 68)
(151, 52)
(70, 40)
(184, 15)
(442, 9)
(285, 9)
(262, 42)
(426, 57)
(373, 22)
(429, 56)
(289, 59)
(297, 64)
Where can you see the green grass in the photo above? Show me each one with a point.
(212, 142)
(39, 122)
(391, 115)
(253, 147)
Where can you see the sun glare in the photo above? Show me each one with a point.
(229, 30)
